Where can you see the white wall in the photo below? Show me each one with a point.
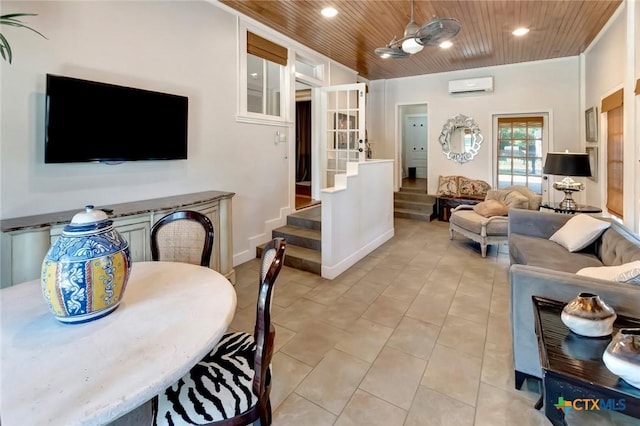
(183, 47)
(545, 86)
(612, 62)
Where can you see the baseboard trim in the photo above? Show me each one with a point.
(331, 272)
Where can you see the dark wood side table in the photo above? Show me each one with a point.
(580, 208)
(445, 205)
(572, 367)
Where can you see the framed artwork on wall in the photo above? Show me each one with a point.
(593, 161)
(591, 123)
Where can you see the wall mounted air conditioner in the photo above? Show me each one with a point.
(470, 85)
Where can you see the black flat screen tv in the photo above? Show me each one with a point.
(87, 121)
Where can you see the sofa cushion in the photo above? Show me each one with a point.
(472, 188)
(491, 208)
(471, 221)
(615, 249)
(534, 251)
(579, 231)
(626, 273)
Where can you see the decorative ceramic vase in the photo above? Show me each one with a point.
(622, 356)
(85, 272)
(587, 315)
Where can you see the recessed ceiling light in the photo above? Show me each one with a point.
(520, 31)
(329, 12)
(446, 44)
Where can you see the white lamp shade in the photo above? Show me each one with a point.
(411, 46)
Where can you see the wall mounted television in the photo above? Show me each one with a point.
(89, 121)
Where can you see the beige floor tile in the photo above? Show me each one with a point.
(414, 337)
(365, 339)
(394, 377)
(470, 308)
(365, 291)
(454, 374)
(244, 320)
(297, 411)
(313, 341)
(381, 275)
(334, 380)
(327, 293)
(299, 314)
(344, 312)
(426, 308)
(386, 311)
(289, 293)
(497, 407)
(283, 335)
(463, 335)
(431, 408)
(288, 373)
(499, 329)
(402, 291)
(366, 410)
(497, 366)
(500, 303)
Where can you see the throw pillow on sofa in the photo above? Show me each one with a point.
(579, 231)
(490, 208)
(627, 273)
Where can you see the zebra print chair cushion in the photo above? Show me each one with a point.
(217, 388)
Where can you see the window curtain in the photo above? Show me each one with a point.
(303, 141)
(265, 49)
(613, 106)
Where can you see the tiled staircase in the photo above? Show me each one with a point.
(414, 204)
(303, 236)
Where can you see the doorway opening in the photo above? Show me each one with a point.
(303, 147)
(414, 133)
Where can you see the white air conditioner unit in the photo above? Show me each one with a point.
(469, 85)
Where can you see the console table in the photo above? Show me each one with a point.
(25, 240)
(572, 367)
(580, 208)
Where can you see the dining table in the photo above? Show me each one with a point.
(171, 315)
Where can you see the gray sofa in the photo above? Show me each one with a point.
(540, 267)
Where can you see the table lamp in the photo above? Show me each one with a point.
(567, 164)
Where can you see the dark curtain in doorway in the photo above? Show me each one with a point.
(303, 141)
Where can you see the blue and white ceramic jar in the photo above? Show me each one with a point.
(85, 272)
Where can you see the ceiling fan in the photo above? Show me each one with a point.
(434, 32)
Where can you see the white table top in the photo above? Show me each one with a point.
(171, 315)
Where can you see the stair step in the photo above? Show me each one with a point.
(413, 190)
(414, 196)
(309, 218)
(413, 214)
(414, 205)
(300, 258)
(302, 237)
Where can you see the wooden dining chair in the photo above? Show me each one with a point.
(232, 384)
(183, 236)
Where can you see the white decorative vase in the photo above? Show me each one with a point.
(587, 315)
(85, 272)
(622, 356)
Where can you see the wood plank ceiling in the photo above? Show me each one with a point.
(557, 29)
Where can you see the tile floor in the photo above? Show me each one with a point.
(417, 333)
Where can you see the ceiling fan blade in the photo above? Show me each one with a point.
(437, 30)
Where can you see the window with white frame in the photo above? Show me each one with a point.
(263, 82)
(519, 152)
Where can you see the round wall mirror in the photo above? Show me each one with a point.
(460, 139)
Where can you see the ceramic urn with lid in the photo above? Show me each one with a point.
(85, 272)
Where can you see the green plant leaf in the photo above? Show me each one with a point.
(5, 48)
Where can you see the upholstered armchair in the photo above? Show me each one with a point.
(487, 223)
